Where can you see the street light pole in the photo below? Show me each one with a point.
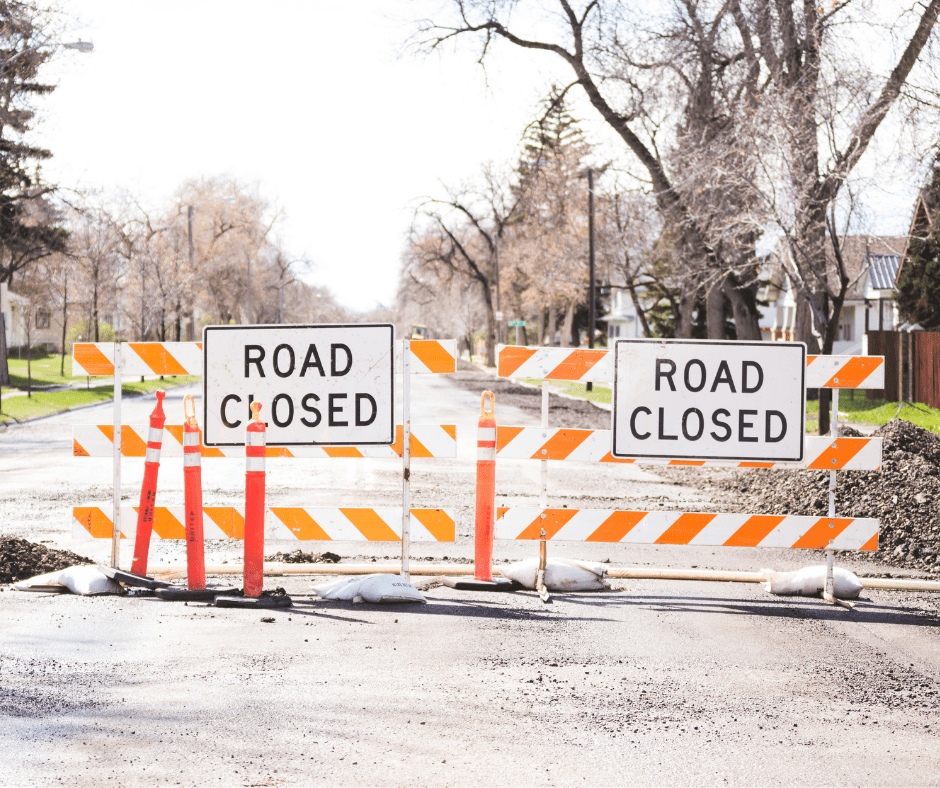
(591, 296)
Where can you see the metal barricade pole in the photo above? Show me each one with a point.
(543, 503)
(116, 489)
(829, 590)
(406, 457)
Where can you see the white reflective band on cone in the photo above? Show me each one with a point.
(486, 434)
(155, 435)
(254, 464)
(256, 439)
(486, 454)
(153, 455)
(190, 438)
(190, 459)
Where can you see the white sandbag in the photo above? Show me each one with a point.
(40, 582)
(561, 574)
(811, 581)
(88, 581)
(378, 589)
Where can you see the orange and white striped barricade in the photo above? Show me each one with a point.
(254, 504)
(148, 490)
(821, 452)
(355, 524)
(192, 493)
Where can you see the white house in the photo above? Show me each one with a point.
(622, 319)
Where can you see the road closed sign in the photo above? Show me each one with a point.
(703, 400)
(318, 385)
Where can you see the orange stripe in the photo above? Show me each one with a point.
(437, 522)
(176, 430)
(450, 429)
(342, 451)
(78, 450)
(166, 526)
(229, 520)
(819, 535)
(615, 527)
(845, 449)
(511, 358)
(501, 510)
(576, 365)
(686, 528)
(871, 544)
(755, 465)
(155, 356)
(300, 523)
(696, 463)
(418, 449)
(92, 360)
(399, 440)
(370, 525)
(610, 458)
(561, 444)
(95, 521)
(132, 445)
(855, 372)
(277, 451)
(433, 356)
(555, 520)
(505, 435)
(754, 530)
(810, 359)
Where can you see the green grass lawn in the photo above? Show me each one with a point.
(876, 411)
(45, 371)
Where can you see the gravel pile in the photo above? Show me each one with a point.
(300, 557)
(20, 560)
(904, 495)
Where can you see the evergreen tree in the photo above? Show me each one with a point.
(919, 279)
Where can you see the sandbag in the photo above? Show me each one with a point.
(561, 574)
(84, 580)
(811, 581)
(46, 582)
(378, 589)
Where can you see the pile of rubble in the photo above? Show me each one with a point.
(904, 495)
(20, 559)
(300, 557)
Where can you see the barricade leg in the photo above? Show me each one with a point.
(254, 503)
(148, 491)
(192, 472)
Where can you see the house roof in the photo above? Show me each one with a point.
(883, 270)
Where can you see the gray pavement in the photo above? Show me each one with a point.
(652, 683)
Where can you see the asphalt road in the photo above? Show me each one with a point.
(652, 683)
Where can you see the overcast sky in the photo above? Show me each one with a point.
(308, 101)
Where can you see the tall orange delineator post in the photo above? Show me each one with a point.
(148, 491)
(192, 477)
(255, 439)
(485, 515)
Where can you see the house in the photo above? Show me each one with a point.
(622, 319)
(872, 263)
(45, 328)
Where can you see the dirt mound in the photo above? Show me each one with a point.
(300, 557)
(904, 495)
(20, 560)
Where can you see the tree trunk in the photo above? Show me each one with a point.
(552, 322)
(686, 314)
(744, 307)
(567, 326)
(4, 368)
(715, 310)
(65, 320)
(490, 338)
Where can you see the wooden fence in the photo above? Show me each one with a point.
(912, 366)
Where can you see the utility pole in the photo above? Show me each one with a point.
(192, 316)
(591, 297)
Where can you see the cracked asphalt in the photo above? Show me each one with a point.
(653, 683)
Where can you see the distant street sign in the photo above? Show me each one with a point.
(498, 316)
(704, 400)
(319, 385)
(516, 323)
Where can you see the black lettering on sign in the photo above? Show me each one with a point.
(335, 410)
(746, 425)
(290, 410)
(225, 401)
(662, 417)
(701, 373)
(670, 366)
(783, 427)
(745, 365)
(310, 409)
(256, 360)
(274, 361)
(724, 376)
(685, 423)
(722, 424)
(334, 370)
(360, 422)
(636, 434)
(251, 398)
(312, 360)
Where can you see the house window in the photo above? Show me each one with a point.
(42, 319)
(613, 331)
(846, 330)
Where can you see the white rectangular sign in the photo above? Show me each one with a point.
(706, 400)
(317, 385)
